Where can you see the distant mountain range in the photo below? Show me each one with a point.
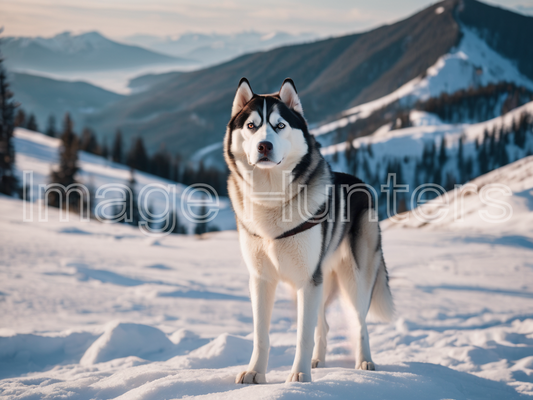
(215, 48)
(44, 97)
(66, 52)
(188, 111)
(449, 46)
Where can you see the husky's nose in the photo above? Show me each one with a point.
(264, 148)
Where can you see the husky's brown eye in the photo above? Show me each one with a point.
(281, 125)
(251, 125)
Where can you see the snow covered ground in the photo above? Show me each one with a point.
(99, 311)
(38, 154)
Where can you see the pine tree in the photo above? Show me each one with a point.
(483, 160)
(132, 206)
(176, 177)
(160, 164)
(68, 167)
(201, 223)
(8, 180)
(137, 156)
(88, 142)
(32, 123)
(51, 127)
(442, 152)
(116, 152)
(20, 118)
(503, 157)
(105, 150)
(492, 150)
(460, 158)
(468, 169)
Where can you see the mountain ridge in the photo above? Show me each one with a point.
(188, 111)
(200, 101)
(88, 51)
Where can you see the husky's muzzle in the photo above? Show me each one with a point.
(266, 155)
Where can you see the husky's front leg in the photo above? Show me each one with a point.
(262, 293)
(309, 299)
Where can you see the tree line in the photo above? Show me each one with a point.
(441, 163)
(131, 211)
(475, 104)
(161, 163)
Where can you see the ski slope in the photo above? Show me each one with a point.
(100, 311)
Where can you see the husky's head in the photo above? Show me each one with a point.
(267, 131)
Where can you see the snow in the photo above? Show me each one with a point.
(122, 340)
(427, 128)
(465, 208)
(66, 42)
(39, 153)
(92, 310)
(473, 63)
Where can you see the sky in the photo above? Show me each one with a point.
(121, 18)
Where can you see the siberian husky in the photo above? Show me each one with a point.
(301, 223)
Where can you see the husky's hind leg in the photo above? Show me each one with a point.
(359, 298)
(322, 328)
(357, 277)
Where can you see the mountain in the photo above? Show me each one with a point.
(66, 52)
(144, 82)
(506, 32)
(215, 48)
(189, 111)
(44, 97)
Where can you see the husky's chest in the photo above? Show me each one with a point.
(293, 259)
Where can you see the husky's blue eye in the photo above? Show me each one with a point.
(251, 125)
(281, 125)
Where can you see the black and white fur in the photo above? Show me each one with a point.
(269, 188)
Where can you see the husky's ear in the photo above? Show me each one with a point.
(244, 95)
(289, 96)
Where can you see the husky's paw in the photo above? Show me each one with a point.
(315, 363)
(366, 366)
(250, 377)
(298, 377)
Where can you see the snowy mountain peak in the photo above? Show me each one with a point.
(66, 42)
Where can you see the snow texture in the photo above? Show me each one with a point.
(99, 311)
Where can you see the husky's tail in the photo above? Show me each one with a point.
(382, 304)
